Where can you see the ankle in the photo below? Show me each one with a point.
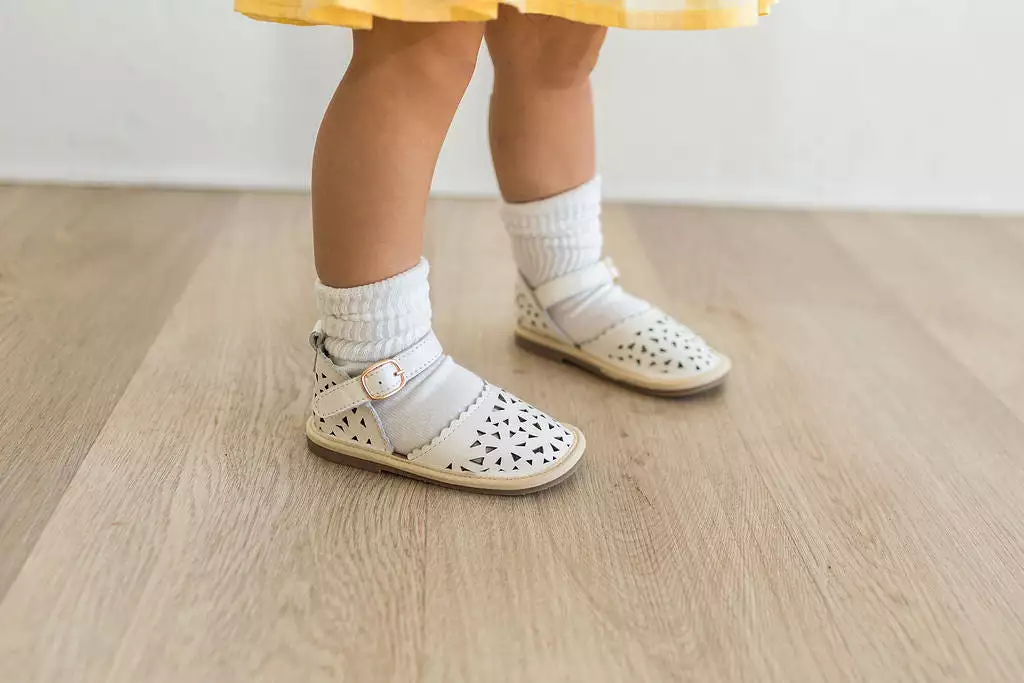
(376, 321)
(370, 323)
(556, 236)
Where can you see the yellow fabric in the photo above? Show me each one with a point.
(640, 14)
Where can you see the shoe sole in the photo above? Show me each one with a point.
(364, 459)
(563, 353)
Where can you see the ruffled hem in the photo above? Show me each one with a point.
(359, 14)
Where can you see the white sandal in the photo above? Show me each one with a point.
(499, 444)
(650, 351)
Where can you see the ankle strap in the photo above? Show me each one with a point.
(380, 380)
(577, 282)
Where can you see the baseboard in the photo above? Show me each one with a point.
(746, 197)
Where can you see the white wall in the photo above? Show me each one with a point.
(877, 103)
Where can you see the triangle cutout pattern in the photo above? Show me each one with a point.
(514, 433)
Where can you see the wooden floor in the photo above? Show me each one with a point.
(850, 507)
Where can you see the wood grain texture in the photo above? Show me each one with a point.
(967, 291)
(849, 507)
(86, 279)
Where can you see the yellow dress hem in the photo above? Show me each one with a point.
(359, 14)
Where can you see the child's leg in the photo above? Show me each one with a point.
(542, 117)
(542, 141)
(383, 385)
(378, 144)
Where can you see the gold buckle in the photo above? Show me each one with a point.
(399, 372)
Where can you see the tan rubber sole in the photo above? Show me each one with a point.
(563, 353)
(355, 456)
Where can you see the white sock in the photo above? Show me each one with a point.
(556, 236)
(370, 323)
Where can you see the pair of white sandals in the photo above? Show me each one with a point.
(501, 444)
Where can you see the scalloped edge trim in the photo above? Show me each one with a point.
(417, 453)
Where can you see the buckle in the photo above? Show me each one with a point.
(399, 372)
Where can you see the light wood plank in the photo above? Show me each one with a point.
(233, 554)
(848, 508)
(86, 279)
(962, 277)
(895, 470)
(622, 574)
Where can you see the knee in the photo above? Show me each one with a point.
(434, 58)
(543, 51)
